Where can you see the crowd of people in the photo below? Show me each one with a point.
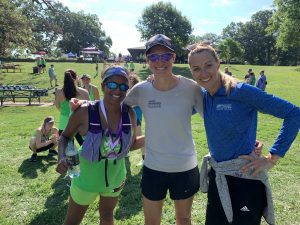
(233, 174)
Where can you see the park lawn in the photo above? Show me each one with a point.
(33, 193)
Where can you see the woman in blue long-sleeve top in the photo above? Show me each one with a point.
(238, 187)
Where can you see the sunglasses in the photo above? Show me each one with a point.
(156, 57)
(113, 85)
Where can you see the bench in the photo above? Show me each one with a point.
(13, 67)
(12, 92)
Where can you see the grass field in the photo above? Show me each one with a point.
(33, 193)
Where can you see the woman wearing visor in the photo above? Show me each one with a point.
(110, 130)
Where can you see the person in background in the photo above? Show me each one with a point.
(247, 76)
(237, 182)
(131, 66)
(63, 96)
(97, 70)
(133, 80)
(44, 138)
(52, 75)
(262, 81)
(226, 71)
(252, 79)
(43, 64)
(110, 130)
(92, 89)
(126, 65)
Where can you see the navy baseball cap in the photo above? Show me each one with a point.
(159, 39)
(115, 70)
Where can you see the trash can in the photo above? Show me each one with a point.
(35, 69)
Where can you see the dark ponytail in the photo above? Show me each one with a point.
(69, 87)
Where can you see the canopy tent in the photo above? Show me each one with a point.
(71, 55)
(39, 53)
(137, 52)
(91, 48)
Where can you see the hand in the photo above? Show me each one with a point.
(258, 148)
(54, 138)
(150, 78)
(256, 165)
(62, 166)
(75, 103)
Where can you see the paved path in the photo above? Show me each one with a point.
(42, 104)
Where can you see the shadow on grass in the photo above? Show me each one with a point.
(55, 208)
(29, 169)
(130, 202)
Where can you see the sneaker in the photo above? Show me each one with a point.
(33, 157)
(52, 152)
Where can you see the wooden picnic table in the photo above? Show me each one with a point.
(12, 92)
(10, 66)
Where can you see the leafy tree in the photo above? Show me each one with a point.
(285, 22)
(211, 37)
(14, 28)
(82, 30)
(164, 18)
(230, 49)
(258, 44)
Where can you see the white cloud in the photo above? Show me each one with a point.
(221, 3)
(77, 5)
(123, 36)
(208, 22)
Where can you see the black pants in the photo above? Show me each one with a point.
(45, 148)
(248, 199)
(78, 137)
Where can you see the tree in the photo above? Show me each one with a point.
(258, 44)
(230, 49)
(14, 28)
(285, 22)
(82, 30)
(165, 19)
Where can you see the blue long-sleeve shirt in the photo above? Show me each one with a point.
(231, 121)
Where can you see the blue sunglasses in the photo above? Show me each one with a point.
(113, 85)
(156, 57)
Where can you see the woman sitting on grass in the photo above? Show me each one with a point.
(44, 138)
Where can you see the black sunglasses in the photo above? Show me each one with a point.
(113, 85)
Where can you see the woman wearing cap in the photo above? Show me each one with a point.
(44, 138)
(110, 130)
(238, 187)
(170, 158)
(92, 89)
(63, 96)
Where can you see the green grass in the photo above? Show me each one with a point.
(33, 193)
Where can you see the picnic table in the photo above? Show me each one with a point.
(12, 92)
(10, 66)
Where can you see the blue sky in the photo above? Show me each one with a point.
(119, 17)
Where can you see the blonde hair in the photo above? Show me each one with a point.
(227, 81)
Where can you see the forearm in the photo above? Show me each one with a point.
(138, 143)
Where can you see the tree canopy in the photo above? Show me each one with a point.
(164, 18)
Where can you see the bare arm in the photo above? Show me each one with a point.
(38, 140)
(138, 141)
(77, 122)
(96, 93)
(58, 98)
